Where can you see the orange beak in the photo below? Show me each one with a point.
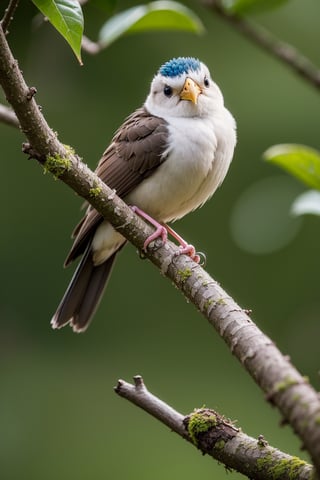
(190, 91)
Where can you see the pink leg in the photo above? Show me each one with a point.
(185, 248)
(160, 231)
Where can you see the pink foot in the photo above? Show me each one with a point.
(185, 248)
(160, 231)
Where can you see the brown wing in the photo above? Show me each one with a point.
(136, 150)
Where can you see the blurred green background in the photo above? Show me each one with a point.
(59, 415)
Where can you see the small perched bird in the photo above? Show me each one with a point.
(167, 159)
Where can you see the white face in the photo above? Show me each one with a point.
(164, 98)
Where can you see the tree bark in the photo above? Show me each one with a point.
(218, 437)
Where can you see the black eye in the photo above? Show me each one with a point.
(206, 82)
(167, 91)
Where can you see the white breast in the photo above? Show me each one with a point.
(199, 154)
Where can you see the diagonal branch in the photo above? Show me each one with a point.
(263, 38)
(8, 116)
(285, 387)
(216, 436)
(8, 15)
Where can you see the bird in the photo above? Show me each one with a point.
(166, 159)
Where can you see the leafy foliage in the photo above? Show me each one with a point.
(307, 203)
(303, 163)
(159, 15)
(66, 16)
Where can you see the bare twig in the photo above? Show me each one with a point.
(140, 396)
(89, 46)
(8, 15)
(284, 386)
(8, 116)
(263, 38)
(216, 436)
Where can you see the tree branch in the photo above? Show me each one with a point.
(8, 116)
(284, 386)
(8, 15)
(263, 38)
(216, 436)
(89, 46)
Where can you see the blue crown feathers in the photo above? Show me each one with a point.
(178, 66)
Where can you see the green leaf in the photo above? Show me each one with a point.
(247, 6)
(301, 161)
(307, 203)
(160, 15)
(66, 16)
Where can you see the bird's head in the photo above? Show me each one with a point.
(183, 87)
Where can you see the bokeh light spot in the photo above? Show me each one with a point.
(261, 222)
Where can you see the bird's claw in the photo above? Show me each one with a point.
(187, 249)
(197, 257)
(160, 232)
